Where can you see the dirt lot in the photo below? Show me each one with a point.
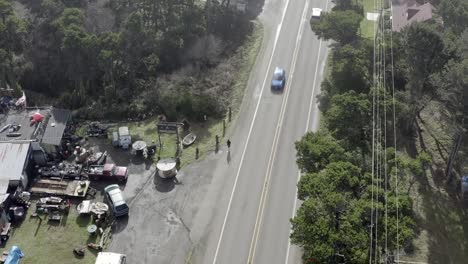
(154, 220)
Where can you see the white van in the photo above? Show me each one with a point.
(111, 258)
(316, 12)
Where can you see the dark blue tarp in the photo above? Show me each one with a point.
(14, 255)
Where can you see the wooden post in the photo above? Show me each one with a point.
(160, 143)
(229, 114)
(224, 127)
(197, 153)
(177, 134)
(217, 143)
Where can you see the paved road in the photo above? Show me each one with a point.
(255, 195)
(232, 203)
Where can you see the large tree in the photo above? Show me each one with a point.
(340, 26)
(316, 149)
(452, 90)
(351, 69)
(454, 14)
(12, 42)
(349, 117)
(334, 222)
(322, 224)
(425, 56)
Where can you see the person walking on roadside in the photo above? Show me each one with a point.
(228, 144)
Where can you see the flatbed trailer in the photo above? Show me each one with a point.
(45, 187)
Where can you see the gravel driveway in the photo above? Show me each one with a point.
(161, 211)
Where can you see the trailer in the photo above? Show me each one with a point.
(43, 187)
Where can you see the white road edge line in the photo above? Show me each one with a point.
(263, 199)
(307, 129)
(278, 30)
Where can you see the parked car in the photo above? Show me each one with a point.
(116, 200)
(279, 79)
(108, 171)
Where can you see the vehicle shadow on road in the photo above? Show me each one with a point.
(120, 224)
(277, 91)
(164, 185)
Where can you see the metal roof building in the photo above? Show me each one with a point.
(24, 132)
(56, 126)
(13, 160)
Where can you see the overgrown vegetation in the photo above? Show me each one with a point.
(430, 65)
(143, 58)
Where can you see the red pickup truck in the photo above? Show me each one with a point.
(108, 171)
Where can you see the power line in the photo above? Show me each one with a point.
(371, 235)
(394, 138)
(376, 88)
(384, 90)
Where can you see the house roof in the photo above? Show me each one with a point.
(405, 12)
(56, 126)
(12, 159)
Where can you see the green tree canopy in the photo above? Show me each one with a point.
(340, 26)
(425, 55)
(316, 150)
(12, 41)
(341, 177)
(349, 117)
(351, 69)
(348, 5)
(454, 14)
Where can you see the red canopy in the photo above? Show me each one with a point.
(36, 117)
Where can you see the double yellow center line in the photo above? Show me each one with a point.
(263, 199)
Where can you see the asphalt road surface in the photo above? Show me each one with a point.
(257, 195)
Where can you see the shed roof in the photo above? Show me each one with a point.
(12, 159)
(56, 126)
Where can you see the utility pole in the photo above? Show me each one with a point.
(453, 154)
